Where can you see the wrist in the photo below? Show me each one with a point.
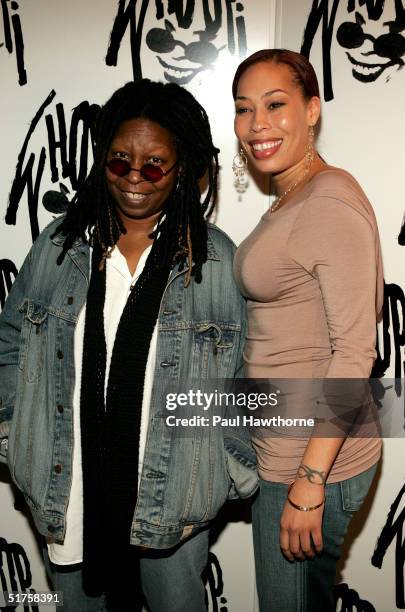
(304, 497)
(311, 474)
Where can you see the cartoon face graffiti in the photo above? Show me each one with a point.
(179, 38)
(187, 37)
(182, 62)
(374, 42)
(371, 34)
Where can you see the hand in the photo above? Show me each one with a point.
(301, 532)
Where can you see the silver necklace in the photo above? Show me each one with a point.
(310, 158)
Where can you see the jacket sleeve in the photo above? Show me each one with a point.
(10, 331)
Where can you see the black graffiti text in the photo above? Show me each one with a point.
(12, 27)
(401, 236)
(215, 587)
(15, 571)
(72, 161)
(320, 14)
(375, 8)
(350, 601)
(240, 29)
(394, 529)
(8, 273)
(393, 324)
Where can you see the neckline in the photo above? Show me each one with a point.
(268, 214)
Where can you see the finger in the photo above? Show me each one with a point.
(317, 540)
(295, 546)
(306, 546)
(285, 544)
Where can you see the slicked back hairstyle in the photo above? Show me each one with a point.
(300, 66)
(182, 227)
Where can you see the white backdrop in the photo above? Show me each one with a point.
(64, 59)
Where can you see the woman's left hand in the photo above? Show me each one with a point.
(300, 531)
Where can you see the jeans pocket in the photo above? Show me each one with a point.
(354, 490)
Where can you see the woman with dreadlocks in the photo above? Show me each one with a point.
(130, 292)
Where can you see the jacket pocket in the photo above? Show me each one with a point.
(33, 340)
(213, 349)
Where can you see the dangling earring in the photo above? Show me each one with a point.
(239, 167)
(309, 158)
(309, 150)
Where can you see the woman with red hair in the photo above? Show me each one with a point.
(312, 273)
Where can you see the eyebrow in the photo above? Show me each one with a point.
(265, 95)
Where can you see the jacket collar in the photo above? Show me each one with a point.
(59, 239)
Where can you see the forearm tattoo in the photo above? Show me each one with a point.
(313, 476)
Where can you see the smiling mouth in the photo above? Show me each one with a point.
(130, 196)
(181, 76)
(366, 73)
(266, 148)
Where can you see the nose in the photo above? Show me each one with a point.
(367, 47)
(134, 176)
(259, 121)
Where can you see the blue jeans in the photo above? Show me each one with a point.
(171, 580)
(302, 586)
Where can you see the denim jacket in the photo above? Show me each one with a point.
(185, 478)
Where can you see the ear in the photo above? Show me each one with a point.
(313, 110)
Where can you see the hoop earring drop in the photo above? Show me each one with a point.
(239, 167)
(309, 158)
(309, 150)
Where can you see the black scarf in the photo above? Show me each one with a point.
(110, 431)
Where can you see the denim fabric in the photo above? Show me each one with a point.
(302, 586)
(201, 329)
(68, 580)
(171, 580)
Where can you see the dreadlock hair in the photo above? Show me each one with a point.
(182, 228)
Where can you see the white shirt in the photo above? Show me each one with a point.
(118, 286)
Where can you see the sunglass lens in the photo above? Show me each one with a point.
(201, 52)
(390, 45)
(151, 173)
(350, 35)
(160, 41)
(119, 167)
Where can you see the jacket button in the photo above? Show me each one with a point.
(58, 468)
(60, 354)
(51, 528)
(60, 408)
(70, 300)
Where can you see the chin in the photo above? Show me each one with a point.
(267, 166)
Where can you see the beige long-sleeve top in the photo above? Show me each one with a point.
(312, 273)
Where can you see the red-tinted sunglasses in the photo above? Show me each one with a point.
(149, 172)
